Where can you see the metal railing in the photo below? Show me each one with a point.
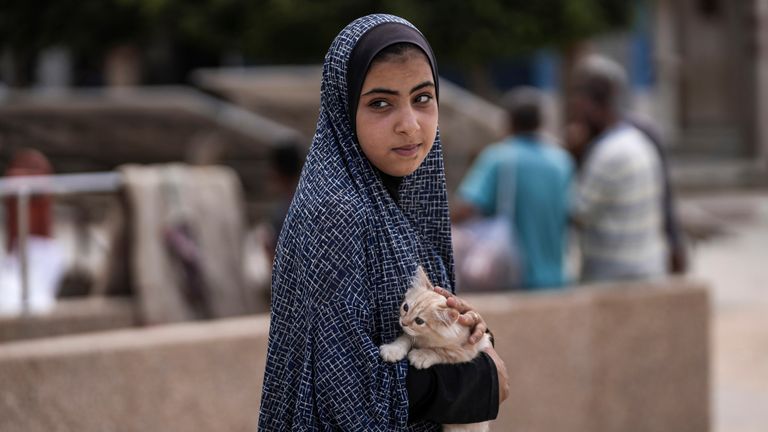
(23, 187)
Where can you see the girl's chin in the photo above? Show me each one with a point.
(402, 169)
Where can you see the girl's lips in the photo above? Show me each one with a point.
(408, 150)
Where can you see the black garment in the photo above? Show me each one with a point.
(392, 185)
(454, 393)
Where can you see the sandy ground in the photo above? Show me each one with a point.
(736, 266)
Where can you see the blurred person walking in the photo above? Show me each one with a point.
(619, 201)
(540, 174)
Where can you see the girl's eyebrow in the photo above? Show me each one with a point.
(395, 92)
(422, 85)
(381, 90)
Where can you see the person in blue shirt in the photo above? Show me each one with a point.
(540, 176)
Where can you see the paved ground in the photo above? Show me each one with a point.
(736, 266)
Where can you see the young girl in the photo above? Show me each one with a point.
(371, 206)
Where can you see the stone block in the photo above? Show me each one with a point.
(651, 368)
(69, 317)
(608, 358)
(185, 377)
(629, 358)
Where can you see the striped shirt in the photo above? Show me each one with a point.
(619, 205)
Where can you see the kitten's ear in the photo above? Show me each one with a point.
(447, 315)
(421, 280)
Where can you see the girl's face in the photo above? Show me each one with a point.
(397, 115)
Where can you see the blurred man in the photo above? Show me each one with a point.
(619, 198)
(541, 176)
(286, 160)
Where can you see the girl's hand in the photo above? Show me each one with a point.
(473, 320)
(468, 317)
(501, 370)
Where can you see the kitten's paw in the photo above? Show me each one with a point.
(422, 359)
(392, 352)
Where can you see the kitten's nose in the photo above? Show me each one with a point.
(403, 323)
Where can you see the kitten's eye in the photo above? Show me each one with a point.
(405, 307)
(418, 321)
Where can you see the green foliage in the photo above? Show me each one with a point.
(297, 31)
(301, 30)
(473, 32)
(460, 30)
(85, 24)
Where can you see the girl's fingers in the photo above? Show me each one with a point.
(443, 292)
(468, 317)
(474, 321)
(453, 301)
(459, 304)
(480, 329)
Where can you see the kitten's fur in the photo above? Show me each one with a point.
(433, 335)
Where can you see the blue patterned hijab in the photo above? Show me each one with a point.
(346, 255)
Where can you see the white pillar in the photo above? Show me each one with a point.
(761, 63)
(54, 68)
(667, 60)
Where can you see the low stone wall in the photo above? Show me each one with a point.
(601, 359)
(71, 316)
(604, 359)
(184, 377)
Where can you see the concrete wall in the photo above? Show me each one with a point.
(70, 317)
(186, 377)
(602, 359)
(605, 360)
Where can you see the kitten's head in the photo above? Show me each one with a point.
(425, 316)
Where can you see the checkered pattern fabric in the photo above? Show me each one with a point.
(345, 258)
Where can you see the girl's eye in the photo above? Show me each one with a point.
(424, 98)
(378, 104)
(418, 321)
(405, 307)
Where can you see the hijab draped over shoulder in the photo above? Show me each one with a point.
(345, 257)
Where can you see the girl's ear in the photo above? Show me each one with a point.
(447, 315)
(421, 280)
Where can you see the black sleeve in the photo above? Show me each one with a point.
(454, 393)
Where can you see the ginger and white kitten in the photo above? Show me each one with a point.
(432, 335)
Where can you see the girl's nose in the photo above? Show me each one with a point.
(407, 124)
